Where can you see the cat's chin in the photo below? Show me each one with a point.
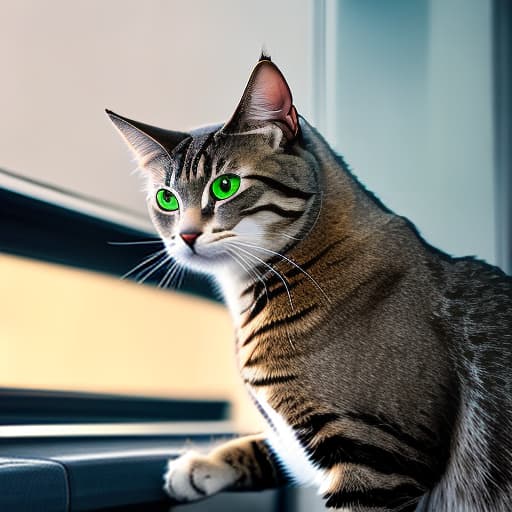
(204, 263)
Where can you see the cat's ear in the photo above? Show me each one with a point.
(266, 99)
(146, 142)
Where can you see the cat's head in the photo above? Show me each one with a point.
(233, 195)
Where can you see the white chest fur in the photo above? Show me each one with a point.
(286, 446)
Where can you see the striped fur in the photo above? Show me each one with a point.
(380, 364)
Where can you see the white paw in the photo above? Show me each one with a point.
(193, 477)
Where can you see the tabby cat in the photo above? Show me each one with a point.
(380, 363)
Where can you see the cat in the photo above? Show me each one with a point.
(380, 363)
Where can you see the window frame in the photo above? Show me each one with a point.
(502, 62)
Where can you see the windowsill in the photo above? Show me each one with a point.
(87, 473)
(94, 430)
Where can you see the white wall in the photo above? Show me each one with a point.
(177, 64)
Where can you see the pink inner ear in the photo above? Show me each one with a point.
(270, 98)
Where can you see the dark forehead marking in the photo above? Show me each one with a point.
(177, 160)
(193, 148)
(220, 165)
(207, 167)
(197, 148)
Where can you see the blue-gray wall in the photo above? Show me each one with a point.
(412, 112)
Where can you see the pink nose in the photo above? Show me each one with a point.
(190, 238)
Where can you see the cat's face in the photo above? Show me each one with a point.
(230, 197)
(243, 200)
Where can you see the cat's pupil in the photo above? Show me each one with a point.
(225, 185)
(167, 196)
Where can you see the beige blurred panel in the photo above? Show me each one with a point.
(62, 328)
(172, 63)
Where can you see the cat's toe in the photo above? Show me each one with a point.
(192, 477)
(179, 483)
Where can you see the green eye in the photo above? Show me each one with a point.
(225, 186)
(166, 200)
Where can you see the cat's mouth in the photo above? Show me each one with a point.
(204, 244)
(201, 251)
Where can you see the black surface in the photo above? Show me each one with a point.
(32, 485)
(43, 231)
(18, 406)
(104, 474)
(100, 473)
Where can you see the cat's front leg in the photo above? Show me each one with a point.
(242, 464)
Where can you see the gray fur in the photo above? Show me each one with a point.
(384, 358)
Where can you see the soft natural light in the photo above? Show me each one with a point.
(68, 329)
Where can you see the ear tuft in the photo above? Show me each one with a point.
(265, 54)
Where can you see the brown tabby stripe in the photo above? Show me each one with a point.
(338, 449)
(270, 380)
(264, 358)
(266, 296)
(256, 288)
(427, 431)
(297, 415)
(270, 207)
(290, 401)
(281, 187)
(388, 427)
(403, 497)
(314, 423)
(267, 470)
(257, 307)
(278, 323)
(280, 289)
(270, 277)
(294, 271)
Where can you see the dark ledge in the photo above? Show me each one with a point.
(37, 407)
(41, 230)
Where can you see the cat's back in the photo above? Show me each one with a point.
(477, 297)
(475, 312)
(474, 316)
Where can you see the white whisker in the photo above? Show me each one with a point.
(291, 263)
(171, 278)
(248, 269)
(155, 267)
(145, 261)
(137, 242)
(289, 338)
(272, 269)
(182, 277)
(317, 215)
(172, 266)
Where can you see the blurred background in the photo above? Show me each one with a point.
(414, 95)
